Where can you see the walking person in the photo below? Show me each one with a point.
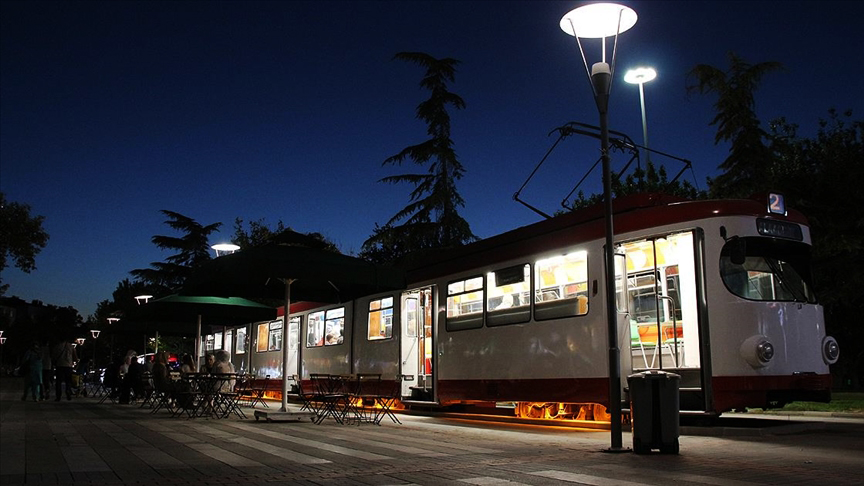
(64, 360)
(47, 370)
(33, 378)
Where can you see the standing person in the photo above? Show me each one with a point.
(64, 360)
(132, 378)
(47, 370)
(33, 378)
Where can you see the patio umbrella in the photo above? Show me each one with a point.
(284, 271)
(183, 314)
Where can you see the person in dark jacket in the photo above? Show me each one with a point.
(33, 378)
(64, 358)
(132, 381)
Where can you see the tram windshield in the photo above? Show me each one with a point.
(766, 269)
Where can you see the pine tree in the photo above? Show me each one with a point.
(431, 220)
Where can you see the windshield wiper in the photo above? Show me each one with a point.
(797, 294)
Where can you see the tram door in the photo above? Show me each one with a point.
(661, 286)
(293, 348)
(417, 346)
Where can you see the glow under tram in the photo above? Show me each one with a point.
(718, 292)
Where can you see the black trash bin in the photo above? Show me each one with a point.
(654, 411)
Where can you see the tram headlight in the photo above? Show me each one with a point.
(830, 350)
(765, 351)
(757, 350)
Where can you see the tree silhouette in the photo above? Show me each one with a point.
(431, 220)
(192, 249)
(749, 157)
(21, 237)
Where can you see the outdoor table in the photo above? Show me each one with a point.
(331, 396)
(194, 400)
(209, 395)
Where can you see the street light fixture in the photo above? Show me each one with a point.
(641, 76)
(143, 298)
(224, 249)
(600, 21)
(112, 320)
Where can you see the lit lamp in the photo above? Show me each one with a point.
(79, 341)
(601, 21)
(143, 298)
(224, 249)
(641, 76)
(112, 320)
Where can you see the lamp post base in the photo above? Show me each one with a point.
(616, 450)
(280, 416)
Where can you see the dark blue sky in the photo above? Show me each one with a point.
(112, 111)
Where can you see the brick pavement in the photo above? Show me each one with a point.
(83, 442)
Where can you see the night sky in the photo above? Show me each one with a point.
(112, 111)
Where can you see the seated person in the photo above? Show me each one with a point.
(223, 365)
(161, 377)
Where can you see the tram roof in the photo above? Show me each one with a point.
(631, 213)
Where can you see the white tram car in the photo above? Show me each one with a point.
(718, 292)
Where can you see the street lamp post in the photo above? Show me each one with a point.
(600, 21)
(641, 76)
(111, 320)
(95, 334)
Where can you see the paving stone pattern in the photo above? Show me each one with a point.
(82, 442)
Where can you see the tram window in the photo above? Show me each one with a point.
(229, 340)
(217, 341)
(315, 329)
(772, 270)
(508, 295)
(241, 341)
(293, 332)
(334, 326)
(263, 336)
(275, 336)
(561, 286)
(380, 322)
(465, 304)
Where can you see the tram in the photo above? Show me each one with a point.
(718, 292)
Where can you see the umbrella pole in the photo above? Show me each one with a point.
(198, 345)
(285, 345)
